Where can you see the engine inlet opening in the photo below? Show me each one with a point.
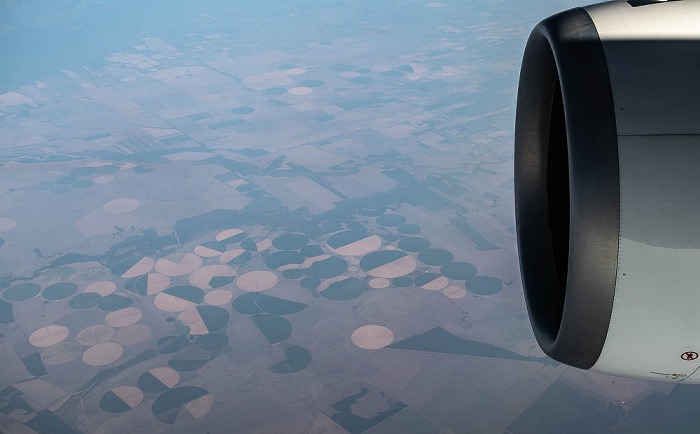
(558, 187)
(566, 184)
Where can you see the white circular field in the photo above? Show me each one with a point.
(372, 337)
(49, 335)
(124, 317)
(103, 288)
(257, 281)
(120, 206)
(103, 354)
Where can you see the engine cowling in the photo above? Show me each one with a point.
(607, 187)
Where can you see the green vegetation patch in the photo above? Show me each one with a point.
(279, 306)
(6, 315)
(414, 244)
(255, 194)
(296, 359)
(425, 278)
(275, 91)
(34, 364)
(122, 266)
(274, 327)
(234, 239)
(241, 259)
(138, 285)
(312, 250)
(219, 246)
(214, 317)
(459, 270)
(310, 283)
(21, 292)
(243, 110)
(82, 171)
(330, 267)
(378, 259)
(45, 421)
(435, 257)
(361, 80)
(186, 365)
(111, 403)
(114, 302)
(166, 406)
(186, 292)
(246, 305)
(346, 289)
(390, 220)
(59, 291)
(290, 241)
(408, 229)
(283, 258)
(402, 282)
(249, 244)
(149, 383)
(219, 281)
(347, 237)
(312, 83)
(292, 274)
(484, 285)
(85, 301)
(245, 188)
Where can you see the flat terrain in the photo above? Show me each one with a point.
(280, 217)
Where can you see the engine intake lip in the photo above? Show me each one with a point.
(569, 276)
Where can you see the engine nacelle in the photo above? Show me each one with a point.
(607, 187)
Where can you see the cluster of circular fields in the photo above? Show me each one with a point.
(199, 291)
(173, 404)
(81, 178)
(395, 267)
(97, 345)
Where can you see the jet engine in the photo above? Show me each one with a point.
(607, 187)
